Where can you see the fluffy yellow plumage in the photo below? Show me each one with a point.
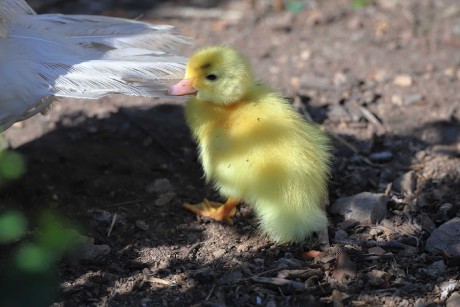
(255, 147)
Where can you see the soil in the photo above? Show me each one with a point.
(383, 79)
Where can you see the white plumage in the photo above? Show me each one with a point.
(44, 57)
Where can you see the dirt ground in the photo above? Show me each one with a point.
(382, 79)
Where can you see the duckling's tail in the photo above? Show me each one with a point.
(290, 223)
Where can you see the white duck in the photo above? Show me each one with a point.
(44, 57)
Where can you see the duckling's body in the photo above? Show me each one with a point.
(259, 150)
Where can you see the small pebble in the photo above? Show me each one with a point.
(406, 183)
(383, 156)
(142, 225)
(377, 250)
(340, 234)
(403, 80)
(436, 268)
(218, 253)
(413, 99)
(230, 278)
(161, 185)
(397, 100)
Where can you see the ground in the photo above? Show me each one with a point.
(381, 78)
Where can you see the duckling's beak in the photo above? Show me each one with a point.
(184, 87)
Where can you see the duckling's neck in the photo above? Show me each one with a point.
(252, 95)
(257, 90)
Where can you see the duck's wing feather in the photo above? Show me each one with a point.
(48, 56)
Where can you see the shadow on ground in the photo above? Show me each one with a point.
(88, 169)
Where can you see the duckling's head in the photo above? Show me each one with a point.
(218, 74)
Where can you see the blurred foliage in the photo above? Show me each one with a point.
(30, 276)
(12, 226)
(11, 165)
(359, 4)
(295, 6)
(51, 243)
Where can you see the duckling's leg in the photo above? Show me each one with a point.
(218, 211)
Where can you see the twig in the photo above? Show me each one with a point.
(317, 83)
(139, 17)
(372, 118)
(262, 273)
(191, 249)
(388, 189)
(351, 147)
(372, 243)
(385, 290)
(298, 273)
(303, 110)
(157, 280)
(343, 141)
(275, 281)
(281, 292)
(402, 232)
(114, 219)
(210, 292)
(376, 257)
(128, 202)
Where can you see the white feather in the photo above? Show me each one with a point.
(43, 57)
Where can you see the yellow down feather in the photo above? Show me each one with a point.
(254, 146)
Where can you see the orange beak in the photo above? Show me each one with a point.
(184, 87)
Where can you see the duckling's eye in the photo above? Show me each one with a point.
(211, 77)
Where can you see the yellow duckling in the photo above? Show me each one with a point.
(254, 147)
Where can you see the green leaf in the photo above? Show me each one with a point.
(11, 165)
(54, 235)
(295, 6)
(359, 4)
(12, 226)
(34, 258)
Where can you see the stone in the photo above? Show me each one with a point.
(413, 99)
(436, 268)
(397, 100)
(377, 250)
(219, 253)
(92, 252)
(164, 199)
(230, 278)
(381, 157)
(453, 300)
(377, 277)
(345, 269)
(403, 80)
(364, 207)
(446, 211)
(160, 186)
(204, 275)
(406, 183)
(427, 224)
(445, 240)
(340, 235)
(142, 225)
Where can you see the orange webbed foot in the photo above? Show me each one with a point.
(217, 211)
